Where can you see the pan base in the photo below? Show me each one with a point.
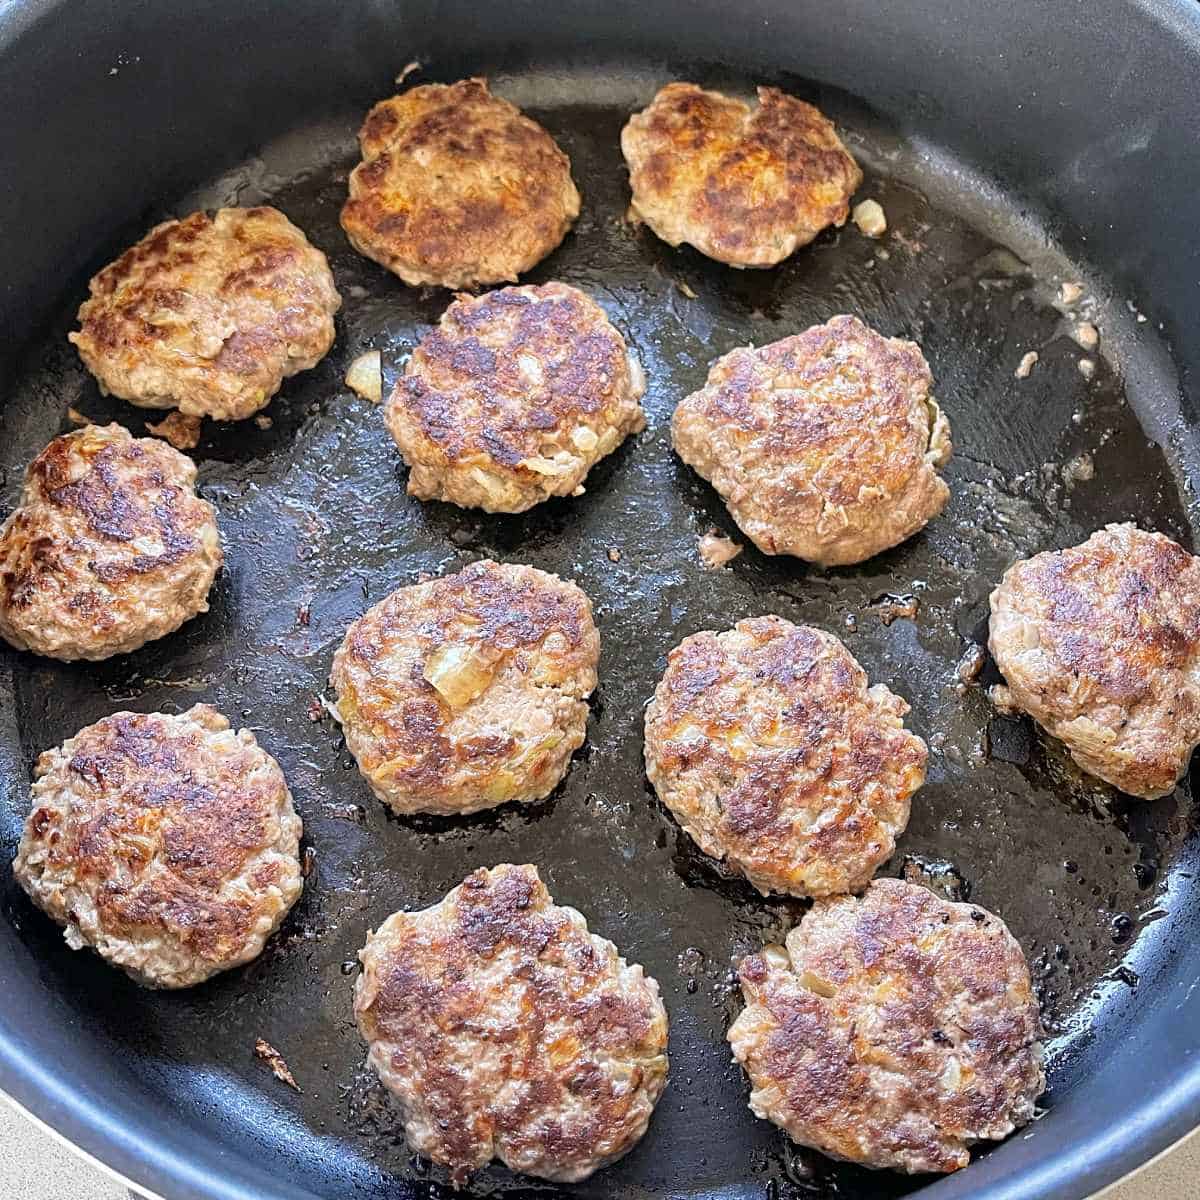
(317, 526)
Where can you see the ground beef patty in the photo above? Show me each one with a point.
(513, 398)
(166, 843)
(457, 188)
(1100, 644)
(468, 691)
(209, 314)
(746, 186)
(773, 753)
(507, 1030)
(824, 445)
(895, 1030)
(108, 548)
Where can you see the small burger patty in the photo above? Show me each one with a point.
(1100, 644)
(468, 691)
(457, 188)
(513, 398)
(209, 315)
(109, 547)
(746, 186)
(824, 445)
(506, 1030)
(894, 1030)
(773, 754)
(168, 844)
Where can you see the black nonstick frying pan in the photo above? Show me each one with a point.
(1013, 147)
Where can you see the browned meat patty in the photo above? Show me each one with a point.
(209, 315)
(468, 691)
(773, 753)
(108, 548)
(168, 844)
(507, 1030)
(1100, 644)
(824, 445)
(513, 398)
(895, 1030)
(457, 188)
(746, 186)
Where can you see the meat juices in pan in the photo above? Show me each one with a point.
(326, 543)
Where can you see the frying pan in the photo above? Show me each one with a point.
(1012, 149)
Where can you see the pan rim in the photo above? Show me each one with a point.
(147, 1162)
(147, 1156)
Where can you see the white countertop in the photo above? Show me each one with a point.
(35, 1167)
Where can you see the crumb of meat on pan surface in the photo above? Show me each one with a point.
(279, 1068)
(179, 429)
(716, 550)
(1070, 292)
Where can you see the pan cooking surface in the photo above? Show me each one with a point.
(317, 526)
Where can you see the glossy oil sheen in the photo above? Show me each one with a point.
(317, 526)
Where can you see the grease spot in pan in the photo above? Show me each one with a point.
(315, 519)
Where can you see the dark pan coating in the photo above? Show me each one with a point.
(457, 188)
(468, 691)
(166, 843)
(209, 314)
(895, 1030)
(773, 753)
(824, 445)
(746, 186)
(513, 398)
(314, 509)
(507, 1030)
(108, 548)
(1100, 644)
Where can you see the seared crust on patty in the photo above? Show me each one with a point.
(507, 1030)
(1100, 644)
(744, 186)
(895, 1030)
(824, 445)
(108, 548)
(457, 188)
(773, 753)
(468, 691)
(513, 398)
(166, 843)
(209, 314)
